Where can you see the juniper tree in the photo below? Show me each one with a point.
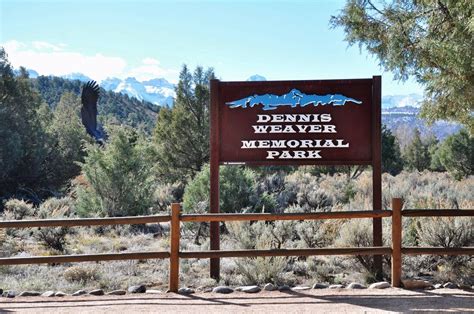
(429, 40)
(182, 132)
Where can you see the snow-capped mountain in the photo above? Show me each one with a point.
(157, 91)
(410, 100)
(77, 76)
(408, 117)
(256, 78)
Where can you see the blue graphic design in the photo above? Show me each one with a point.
(293, 99)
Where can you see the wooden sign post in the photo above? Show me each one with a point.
(324, 122)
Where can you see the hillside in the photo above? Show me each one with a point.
(397, 118)
(125, 109)
(136, 103)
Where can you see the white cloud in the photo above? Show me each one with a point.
(150, 61)
(150, 68)
(13, 45)
(42, 45)
(55, 59)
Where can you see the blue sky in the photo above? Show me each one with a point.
(145, 39)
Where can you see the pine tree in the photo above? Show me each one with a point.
(23, 139)
(392, 161)
(68, 137)
(182, 132)
(416, 154)
(456, 154)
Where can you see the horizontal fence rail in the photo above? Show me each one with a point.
(84, 222)
(437, 212)
(438, 250)
(380, 250)
(398, 250)
(83, 258)
(286, 216)
(174, 254)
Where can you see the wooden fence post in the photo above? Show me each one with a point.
(174, 247)
(397, 204)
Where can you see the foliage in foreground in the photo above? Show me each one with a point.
(429, 40)
(119, 177)
(182, 132)
(456, 154)
(299, 191)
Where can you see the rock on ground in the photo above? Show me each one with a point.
(48, 294)
(336, 286)
(320, 286)
(117, 292)
(222, 289)
(9, 294)
(355, 285)
(249, 289)
(79, 292)
(416, 284)
(97, 292)
(380, 285)
(137, 289)
(284, 288)
(270, 287)
(300, 288)
(29, 294)
(185, 290)
(450, 285)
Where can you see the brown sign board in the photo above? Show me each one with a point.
(323, 122)
(295, 122)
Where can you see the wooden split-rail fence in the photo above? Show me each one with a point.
(174, 254)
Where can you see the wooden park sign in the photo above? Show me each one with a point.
(324, 122)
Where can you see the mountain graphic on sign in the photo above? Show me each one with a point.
(294, 98)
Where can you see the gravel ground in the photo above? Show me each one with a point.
(334, 301)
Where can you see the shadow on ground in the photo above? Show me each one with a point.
(391, 300)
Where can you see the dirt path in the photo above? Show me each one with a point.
(340, 301)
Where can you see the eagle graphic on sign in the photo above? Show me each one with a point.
(294, 98)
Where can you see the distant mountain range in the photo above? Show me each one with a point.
(256, 78)
(407, 118)
(161, 92)
(157, 91)
(398, 111)
(410, 100)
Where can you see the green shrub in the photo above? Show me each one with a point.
(120, 176)
(456, 154)
(237, 186)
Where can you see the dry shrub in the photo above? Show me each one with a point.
(449, 232)
(17, 209)
(357, 233)
(54, 238)
(81, 274)
(261, 235)
(261, 270)
(446, 231)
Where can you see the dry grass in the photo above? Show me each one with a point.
(302, 192)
